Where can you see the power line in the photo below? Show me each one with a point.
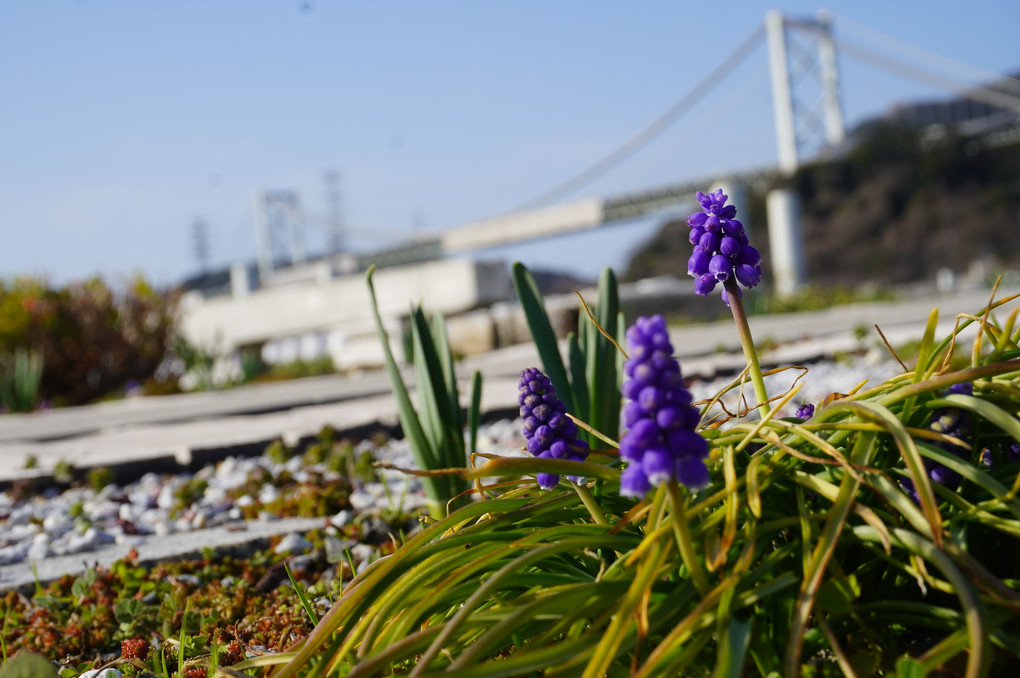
(654, 129)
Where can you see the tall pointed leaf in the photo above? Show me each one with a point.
(542, 332)
(604, 394)
(421, 449)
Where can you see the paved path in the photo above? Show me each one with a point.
(166, 433)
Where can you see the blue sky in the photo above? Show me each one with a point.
(124, 121)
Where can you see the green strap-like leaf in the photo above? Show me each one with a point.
(601, 359)
(578, 379)
(420, 447)
(475, 411)
(542, 333)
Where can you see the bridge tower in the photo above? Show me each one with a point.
(809, 120)
(279, 230)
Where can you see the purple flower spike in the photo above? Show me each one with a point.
(719, 239)
(550, 434)
(661, 444)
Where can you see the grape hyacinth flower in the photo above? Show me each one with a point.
(1006, 452)
(721, 248)
(950, 421)
(661, 443)
(549, 431)
(805, 411)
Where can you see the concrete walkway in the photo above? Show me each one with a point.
(182, 431)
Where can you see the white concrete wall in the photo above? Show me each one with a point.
(338, 309)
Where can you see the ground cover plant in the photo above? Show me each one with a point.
(189, 614)
(873, 534)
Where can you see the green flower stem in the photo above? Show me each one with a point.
(683, 539)
(589, 503)
(747, 343)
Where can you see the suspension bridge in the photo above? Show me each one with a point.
(808, 115)
(804, 73)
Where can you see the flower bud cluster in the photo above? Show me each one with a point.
(950, 421)
(805, 411)
(549, 432)
(1008, 452)
(721, 248)
(661, 443)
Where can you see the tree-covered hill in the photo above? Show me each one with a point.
(902, 204)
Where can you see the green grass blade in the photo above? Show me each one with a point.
(908, 450)
(302, 598)
(973, 612)
(925, 353)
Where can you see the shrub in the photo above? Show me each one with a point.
(92, 340)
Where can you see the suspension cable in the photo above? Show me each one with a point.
(985, 94)
(652, 130)
(994, 80)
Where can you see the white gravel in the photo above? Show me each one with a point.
(80, 520)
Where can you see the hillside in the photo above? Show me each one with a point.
(897, 208)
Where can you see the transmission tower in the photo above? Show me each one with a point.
(200, 243)
(336, 218)
(809, 120)
(279, 230)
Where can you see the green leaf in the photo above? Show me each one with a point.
(79, 589)
(421, 449)
(925, 353)
(429, 387)
(475, 411)
(733, 648)
(838, 594)
(449, 376)
(578, 379)
(542, 333)
(908, 667)
(28, 665)
(302, 598)
(603, 381)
